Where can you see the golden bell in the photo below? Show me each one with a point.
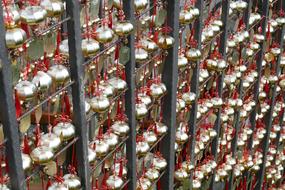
(165, 41)
(149, 45)
(185, 17)
(54, 8)
(193, 54)
(123, 28)
(104, 34)
(33, 15)
(89, 47)
(140, 4)
(15, 38)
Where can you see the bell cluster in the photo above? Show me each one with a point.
(142, 94)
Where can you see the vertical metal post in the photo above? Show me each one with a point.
(169, 78)
(223, 45)
(128, 7)
(8, 115)
(198, 25)
(78, 96)
(237, 123)
(265, 9)
(268, 120)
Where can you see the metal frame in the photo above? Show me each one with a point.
(170, 78)
(8, 115)
(130, 100)
(77, 75)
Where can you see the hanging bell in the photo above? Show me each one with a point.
(149, 45)
(58, 186)
(42, 81)
(15, 37)
(142, 148)
(114, 182)
(33, 15)
(26, 162)
(65, 130)
(42, 155)
(182, 61)
(89, 47)
(123, 28)
(185, 17)
(59, 74)
(100, 104)
(111, 139)
(152, 174)
(120, 128)
(140, 55)
(54, 8)
(72, 181)
(189, 97)
(193, 54)
(165, 41)
(145, 99)
(104, 34)
(51, 141)
(25, 90)
(91, 155)
(150, 137)
(101, 148)
(160, 128)
(181, 174)
(181, 136)
(140, 4)
(141, 110)
(157, 90)
(11, 16)
(143, 184)
(118, 84)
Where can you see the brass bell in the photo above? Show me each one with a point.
(114, 182)
(182, 61)
(193, 54)
(25, 90)
(143, 184)
(185, 17)
(140, 55)
(104, 34)
(54, 8)
(140, 4)
(15, 38)
(65, 130)
(59, 74)
(42, 81)
(101, 147)
(26, 162)
(142, 148)
(111, 139)
(165, 41)
(149, 45)
(123, 28)
(42, 155)
(152, 174)
(58, 186)
(33, 15)
(72, 181)
(100, 104)
(89, 47)
(157, 89)
(150, 137)
(118, 84)
(51, 141)
(181, 174)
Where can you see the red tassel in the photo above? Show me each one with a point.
(110, 24)
(67, 105)
(26, 148)
(48, 184)
(18, 106)
(117, 52)
(26, 29)
(38, 135)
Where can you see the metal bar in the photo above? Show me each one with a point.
(8, 115)
(128, 7)
(237, 123)
(195, 86)
(78, 97)
(223, 45)
(268, 121)
(170, 78)
(260, 56)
